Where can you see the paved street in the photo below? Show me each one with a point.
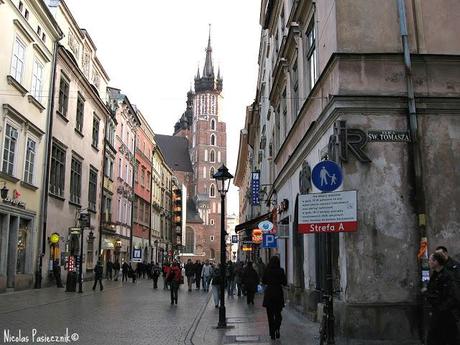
(136, 314)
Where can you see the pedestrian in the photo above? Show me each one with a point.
(250, 281)
(174, 278)
(216, 281)
(260, 267)
(190, 273)
(274, 279)
(132, 272)
(239, 278)
(206, 275)
(143, 269)
(109, 269)
(116, 270)
(139, 269)
(98, 271)
(197, 269)
(451, 264)
(230, 278)
(156, 271)
(443, 329)
(124, 272)
(149, 270)
(166, 269)
(57, 273)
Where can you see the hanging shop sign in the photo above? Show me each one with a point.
(388, 136)
(265, 226)
(255, 188)
(54, 238)
(283, 206)
(257, 236)
(234, 238)
(269, 241)
(328, 212)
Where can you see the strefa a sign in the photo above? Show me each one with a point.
(328, 212)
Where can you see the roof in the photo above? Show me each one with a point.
(192, 213)
(175, 151)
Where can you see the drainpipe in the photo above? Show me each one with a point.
(415, 153)
(101, 220)
(46, 167)
(132, 201)
(150, 210)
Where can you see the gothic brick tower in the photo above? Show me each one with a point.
(202, 124)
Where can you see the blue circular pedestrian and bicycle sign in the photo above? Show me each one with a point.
(327, 176)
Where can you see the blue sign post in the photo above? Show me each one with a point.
(269, 241)
(327, 176)
(137, 255)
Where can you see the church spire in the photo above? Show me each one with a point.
(208, 69)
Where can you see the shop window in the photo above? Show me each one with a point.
(23, 236)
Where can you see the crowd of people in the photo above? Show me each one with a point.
(245, 279)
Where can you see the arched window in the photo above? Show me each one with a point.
(211, 221)
(189, 240)
(204, 172)
(213, 139)
(212, 156)
(211, 172)
(213, 253)
(205, 155)
(213, 124)
(212, 191)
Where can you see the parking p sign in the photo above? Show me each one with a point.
(269, 241)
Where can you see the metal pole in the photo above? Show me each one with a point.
(80, 273)
(329, 292)
(222, 317)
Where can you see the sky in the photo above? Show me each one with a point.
(151, 50)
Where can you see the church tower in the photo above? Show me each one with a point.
(202, 124)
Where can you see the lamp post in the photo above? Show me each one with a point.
(222, 177)
(84, 223)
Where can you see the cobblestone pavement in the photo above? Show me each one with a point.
(121, 314)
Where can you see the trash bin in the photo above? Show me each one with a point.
(71, 285)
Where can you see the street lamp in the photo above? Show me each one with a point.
(222, 177)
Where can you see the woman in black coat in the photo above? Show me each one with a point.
(250, 281)
(274, 278)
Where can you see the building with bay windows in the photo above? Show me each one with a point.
(28, 37)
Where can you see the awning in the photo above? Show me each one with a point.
(253, 223)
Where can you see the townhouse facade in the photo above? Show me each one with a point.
(28, 41)
(75, 168)
(326, 87)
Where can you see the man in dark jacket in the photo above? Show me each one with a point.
(124, 272)
(197, 268)
(443, 328)
(190, 273)
(98, 270)
(156, 271)
(57, 273)
(250, 281)
(116, 269)
(109, 268)
(274, 279)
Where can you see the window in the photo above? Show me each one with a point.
(37, 80)
(213, 139)
(92, 190)
(212, 253)
(142, 177)
(120, 171)
(122, 130)
(80, 111)
(95, 139)
(75, 181)
(39, 30)
(211, 222)
(43, 37)
(108, 209)
(212, 156)
(204, 172)
(311, 54)
(212, 190)
(9, 149)
(57, 177)
(295, 89)
(211, 238)
(119, 210)
(189, 240)
(218, 157)
(30, 161)
(284, 110)
(17, 62)
(21, 6)
(109, 167)
(63, 96)
(212, 172)
(148, 182)
(127, 173)
(213, 124)
(205, 155)
(26, 14)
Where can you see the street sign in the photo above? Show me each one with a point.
(269, 241)
(137, 255)
(328, 212)
(255, 188)
(234, 238)
(327, 176)
(265, 226)
(388, 135)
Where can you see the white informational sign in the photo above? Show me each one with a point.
(265, 226)
(328, 212)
